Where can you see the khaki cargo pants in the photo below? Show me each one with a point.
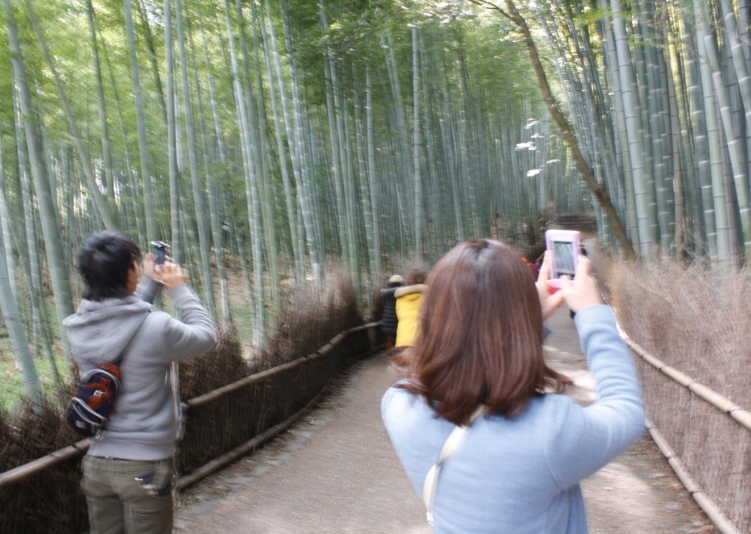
(128, 496)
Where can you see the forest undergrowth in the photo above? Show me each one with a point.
(697, 320)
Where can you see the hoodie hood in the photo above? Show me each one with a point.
(99, 331)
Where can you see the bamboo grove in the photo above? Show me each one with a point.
(659, 96)
(269, 137)
(277, 138)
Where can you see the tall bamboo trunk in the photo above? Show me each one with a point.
(675, 132)
(106, 144)
(350, 199)
(258, 178)
(632, 112)
(722, 222)
(407, 165)
(30, 262)
(6, 225)
(304, 158)
(294, 208)
(290, 202)
(418, 200)
(143, 147)
(53, 242)
(251, 192)
(365, 161)
(204, 229)
(152, 59)
(653, 110)
(735, 143)
(265, 183)
(336, 140)
(14, 324)
(214, 203)
(172, 170)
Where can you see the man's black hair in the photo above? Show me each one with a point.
(104, 262)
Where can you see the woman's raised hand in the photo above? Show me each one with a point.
(549, 302)
(584, 290)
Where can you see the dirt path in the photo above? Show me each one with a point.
(336, 472)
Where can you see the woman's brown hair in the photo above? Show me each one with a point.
(480, 336)
(416, 276)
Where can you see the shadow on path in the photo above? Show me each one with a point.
(336, 472)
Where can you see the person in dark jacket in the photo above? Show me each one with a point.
(389, 321)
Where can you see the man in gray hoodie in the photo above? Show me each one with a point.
(127, 473)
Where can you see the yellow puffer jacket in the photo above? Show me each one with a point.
(408, 300)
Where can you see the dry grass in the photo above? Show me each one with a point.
(52, 501)
(698, 321)
(312, 317)
(330, 309)
(49, 502)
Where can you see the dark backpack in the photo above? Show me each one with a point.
(94, 400)
(96, 394)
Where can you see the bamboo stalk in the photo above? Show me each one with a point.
(202, 221)
(249, 148)
(106, 144)
(99, 200)
(53, 241)
(709, 507)
(26, 470)
(742, 416)
(146, 174)
(172, 170)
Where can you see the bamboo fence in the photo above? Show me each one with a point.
(78, 449)
(723, 404)
(713, 511)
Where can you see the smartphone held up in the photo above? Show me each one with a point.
(564, 247)
(160, 250)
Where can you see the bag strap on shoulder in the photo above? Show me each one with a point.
(453, 443)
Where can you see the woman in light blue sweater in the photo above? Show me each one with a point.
(480, 346)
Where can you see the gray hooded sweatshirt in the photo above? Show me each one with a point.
(142, 425)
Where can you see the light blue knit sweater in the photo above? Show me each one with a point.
(522, 475)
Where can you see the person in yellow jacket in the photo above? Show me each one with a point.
(408, 300)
